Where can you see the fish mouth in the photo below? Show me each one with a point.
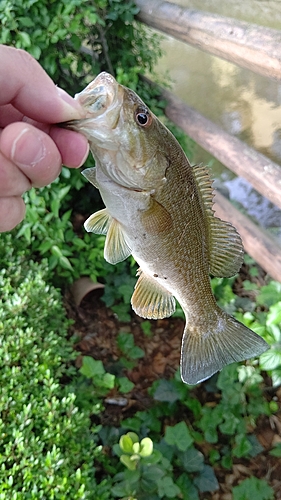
(101, 100)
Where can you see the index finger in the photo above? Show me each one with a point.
(32, 91)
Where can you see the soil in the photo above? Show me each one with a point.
(97, 328)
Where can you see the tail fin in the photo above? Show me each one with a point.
(206, 352)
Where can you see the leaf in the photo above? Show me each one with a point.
(167, 487)
(253, 488)
(269, 294)
(207, 480)
(243, 446)
(125, 342)
(128, 462)
(125, 385)
(230, 424)
(188, 490)
(276, 451)
(146, 447)
(274, 315)
(24, 39)
(166, 391)
(270, 359)
(91, 367)
(179, 436)
(65, 263)
(192, 460)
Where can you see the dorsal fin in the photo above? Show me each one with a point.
(116, 248)
(151, 300)
(225, 245)
(98, 222)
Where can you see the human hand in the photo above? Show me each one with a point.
(32, 148)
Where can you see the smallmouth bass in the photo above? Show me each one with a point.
(159, 209)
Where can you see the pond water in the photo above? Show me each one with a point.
(242, 103)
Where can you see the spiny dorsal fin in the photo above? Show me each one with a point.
(225, 244)
(98, 222)
(116, 248)
(151, 300)
(90, 174)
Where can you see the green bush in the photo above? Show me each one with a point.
(47, 446)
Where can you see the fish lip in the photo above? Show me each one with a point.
(100, 99)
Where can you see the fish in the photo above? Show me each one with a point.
(159, 209)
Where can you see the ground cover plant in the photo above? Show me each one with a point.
(92, 405)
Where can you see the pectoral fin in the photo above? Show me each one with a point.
(90, 174)
(116, 248)
(98, 222)
(156, 219)
(151, 300)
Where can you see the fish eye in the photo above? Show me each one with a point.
(143, 117)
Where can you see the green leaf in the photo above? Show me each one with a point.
(230, 424)
(167, 487)
(243, 446)
(253, 488)
(166, 391)
(146, 447)
(24, 38)
(179, 436)
(125, 385)
(269, 294)
(274, 314)
(207, 480)
(276, 451)
(128, 462)
(270, 359)
(192, 460)
(125, 342)
(91, 367)
(188, 490)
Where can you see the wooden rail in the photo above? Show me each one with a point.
(260, 171)
(248, 45)
(252, 47)
(257, 242)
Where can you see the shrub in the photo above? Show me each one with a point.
(47, 447)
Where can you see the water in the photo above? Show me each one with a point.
(242, 103)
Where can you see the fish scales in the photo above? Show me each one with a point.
(159, 209)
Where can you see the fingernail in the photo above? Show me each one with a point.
(85, 156)
(72, 107)
(27, 149)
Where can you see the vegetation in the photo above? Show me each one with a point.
(55, 439)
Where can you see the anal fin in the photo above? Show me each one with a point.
(151, 300)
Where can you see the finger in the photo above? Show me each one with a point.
(32, 91)
(12, 212)
(12, 181)
(73, 147)
(9, 114)
(32, 151)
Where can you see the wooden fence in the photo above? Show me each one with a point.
(252, 47)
